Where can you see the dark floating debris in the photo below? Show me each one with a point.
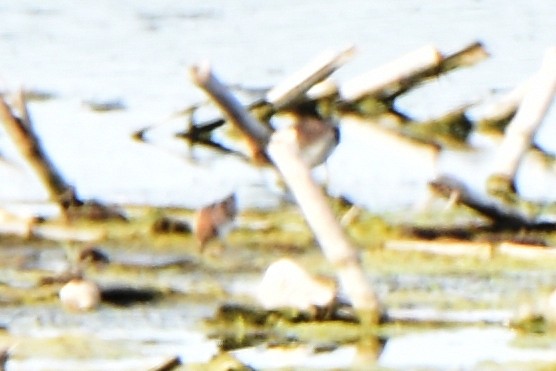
(168, 365)
(166, 225)
(92, 255)
(126, 296)
(35, 95)
(106, 105)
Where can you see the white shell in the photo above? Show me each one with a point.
(80, 295)
(287, 285)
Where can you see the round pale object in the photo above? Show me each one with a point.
(287, 285)
(80, 295)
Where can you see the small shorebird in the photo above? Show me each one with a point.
(316, 138)
(92, 255)
(215, 220)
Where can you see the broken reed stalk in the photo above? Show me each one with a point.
(482, 250)
(168, 364)
(313, 203)
(284, 152)
(391, 75)
(467, 56)
(255, 132)
(497, 115)
(523, 126)
(448, 187)
(297, 84)
(399, 75)
(450, 129)
(21, 132)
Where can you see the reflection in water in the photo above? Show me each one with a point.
(458, 349)
(368, 350)
(361, 355)
(302, 356)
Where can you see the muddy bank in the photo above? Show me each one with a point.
(174, 293)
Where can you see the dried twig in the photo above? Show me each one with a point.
(522, 128)
(297, 84)
(168, 365)
(447, 187)
(483, 250)
(389, 77)
(394, 78)
(467, 56)
(29, 145)
(21, 131)
(497, 114)
(256, 134)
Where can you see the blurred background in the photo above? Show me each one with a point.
(133, 57)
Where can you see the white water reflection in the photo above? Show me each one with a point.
(458, 349)
(302, 357)
(454, 349)
(137, 334)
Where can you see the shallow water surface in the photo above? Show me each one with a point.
(135, 55)
(462, 316)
